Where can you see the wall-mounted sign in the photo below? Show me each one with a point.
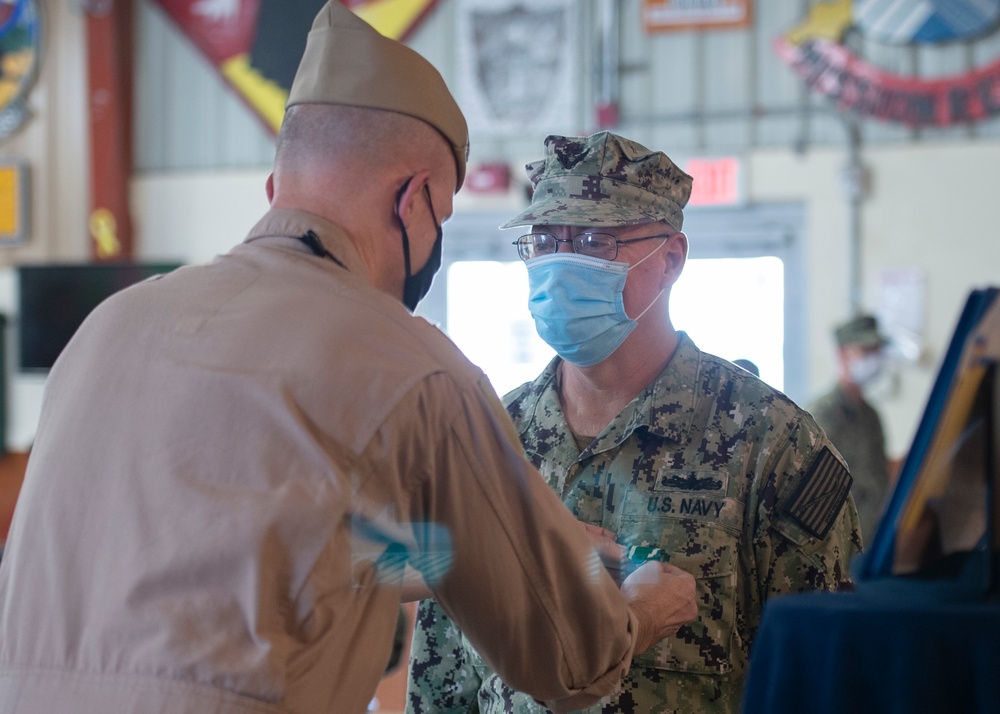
(517, 65)
(717, 181)
(488, 178)
(256, 44)
(901, 308)
(660, 15)
(20, 31)
(14, 206)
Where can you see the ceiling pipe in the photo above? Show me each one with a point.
(606, 108)
(855, 182)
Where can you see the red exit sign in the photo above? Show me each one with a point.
(717, 182)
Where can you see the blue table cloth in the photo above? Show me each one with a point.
(850, 653)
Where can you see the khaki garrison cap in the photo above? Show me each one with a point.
(346, 61)
(603, 180)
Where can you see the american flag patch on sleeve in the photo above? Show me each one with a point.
(821, 495)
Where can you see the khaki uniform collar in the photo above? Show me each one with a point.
(288, 223)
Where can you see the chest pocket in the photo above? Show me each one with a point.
(696, 539)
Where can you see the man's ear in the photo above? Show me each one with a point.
(674, 257)
(409, 194)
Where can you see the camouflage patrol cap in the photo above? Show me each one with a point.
(347, 62)
(861, 331)
(603, 180)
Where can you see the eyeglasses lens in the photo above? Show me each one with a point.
(595, 245)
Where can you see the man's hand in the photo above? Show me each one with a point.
(612, 554)
(662, 598)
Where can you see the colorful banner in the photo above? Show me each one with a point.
(256, 44)
(830, 69)
(925, 21)
(20, 33)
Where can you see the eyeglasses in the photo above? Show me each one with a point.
(595, 245)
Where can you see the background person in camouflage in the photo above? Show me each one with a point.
(852, 423)
(657, 442)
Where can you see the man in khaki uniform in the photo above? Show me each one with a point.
(676, 454)
(235, 461)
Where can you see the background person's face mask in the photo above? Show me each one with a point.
(577, 305)
(865, 369)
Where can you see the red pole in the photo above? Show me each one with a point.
(109, 77)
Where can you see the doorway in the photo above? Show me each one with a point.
(740, 295)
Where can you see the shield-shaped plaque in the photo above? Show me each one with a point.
(518, 52)
(517, 63)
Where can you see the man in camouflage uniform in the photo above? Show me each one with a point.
(678, 454)
(852, 423)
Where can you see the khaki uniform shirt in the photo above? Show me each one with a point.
(721, 472)
(855, 428)
(232, 463)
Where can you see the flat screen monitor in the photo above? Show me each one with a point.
(54, 299)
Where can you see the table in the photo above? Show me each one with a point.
(885, 652)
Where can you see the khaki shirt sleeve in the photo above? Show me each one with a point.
(523, 583)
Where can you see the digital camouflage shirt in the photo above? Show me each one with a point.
(733, 481)
(855, 429)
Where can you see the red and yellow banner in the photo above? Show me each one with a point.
(256, 44)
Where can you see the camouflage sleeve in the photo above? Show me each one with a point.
(440, 679)
(831, 420)
(807, 529)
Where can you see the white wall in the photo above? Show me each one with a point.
(195, 217)
(931, 208)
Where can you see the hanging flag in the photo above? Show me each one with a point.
(925, 21)
(393, 18)
(256, 44)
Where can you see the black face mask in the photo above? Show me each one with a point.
(417, 284)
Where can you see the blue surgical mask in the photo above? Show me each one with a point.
(578, 307)
(865, 369)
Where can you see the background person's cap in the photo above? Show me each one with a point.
(603, 180)
(347, 62)
(862, 331)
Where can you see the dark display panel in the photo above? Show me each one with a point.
(54, 299)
